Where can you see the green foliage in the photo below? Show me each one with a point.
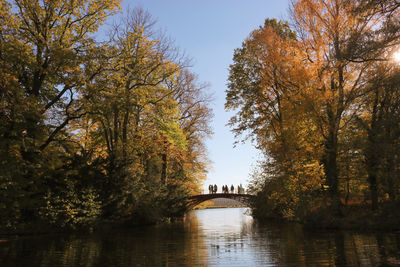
(71, 208)
(146, 204)
(174, 200)
(174, 134)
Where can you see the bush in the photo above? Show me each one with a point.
(71, 209)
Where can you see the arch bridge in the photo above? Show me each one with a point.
(197, 199)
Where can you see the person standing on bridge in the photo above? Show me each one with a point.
(226, 189)
(232, 189)
(210, 189)
(215, 188)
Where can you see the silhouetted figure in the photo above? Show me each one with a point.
(238, 188)
(210, 189)
(232, 189)
(215, 188)
(226, 189)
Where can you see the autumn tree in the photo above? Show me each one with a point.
(328, 31)
(147, 118)
(264, 87)
(378, 118)
(298, 93)
(45, 46)
(89, 129)
(194, 119)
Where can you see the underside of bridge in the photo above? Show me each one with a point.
(196, 200)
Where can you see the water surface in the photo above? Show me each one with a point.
(214, 237)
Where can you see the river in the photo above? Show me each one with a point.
(212, 237)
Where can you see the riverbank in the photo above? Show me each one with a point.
(356, 217)
(41, 228)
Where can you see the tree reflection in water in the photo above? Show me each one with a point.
(219, 237)
(288, 244)
(167, 245)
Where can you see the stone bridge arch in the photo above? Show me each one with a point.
(197, 199)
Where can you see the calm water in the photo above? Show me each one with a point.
(216, 237)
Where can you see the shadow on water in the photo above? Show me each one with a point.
(167, 245)
(289, 244)
(217, 237)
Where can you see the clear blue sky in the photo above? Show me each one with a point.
(208, 31)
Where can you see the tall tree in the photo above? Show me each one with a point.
(265, 86)
(147, 115)
(379, 120)
(288, 87)
(45, 48)
(327, 29)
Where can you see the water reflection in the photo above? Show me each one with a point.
(168, 245)
(216, 237)
(289, 245)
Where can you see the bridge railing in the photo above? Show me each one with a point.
(237, 190)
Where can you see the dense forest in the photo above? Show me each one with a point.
(320, 97)
(100, 121)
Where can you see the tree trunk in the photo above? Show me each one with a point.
(125, 136)
(372, 167)
(372, 154)
(330, 162)
(164, 168)
(331, 172)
